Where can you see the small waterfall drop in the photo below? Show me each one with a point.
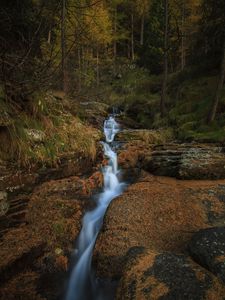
(83, 284)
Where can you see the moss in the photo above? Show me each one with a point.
(58, 228)
(202, 134)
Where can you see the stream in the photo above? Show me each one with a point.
(83, 284)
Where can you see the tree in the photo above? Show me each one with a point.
(165, 64)
(213, 110)
(142, 10)
(63, 46)
(213, 29)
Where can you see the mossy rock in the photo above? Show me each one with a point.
(150, 275)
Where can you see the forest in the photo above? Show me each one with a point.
(124, 100)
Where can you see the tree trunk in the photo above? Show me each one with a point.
(213, 110)
(183, 54)
(128, 49)
(142, 30)
(97, 56)
(79, 69)
(132, 36)
(63, 46)
(49, 36)
(165, 63)
(115, 30)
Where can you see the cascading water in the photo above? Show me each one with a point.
(82, 283)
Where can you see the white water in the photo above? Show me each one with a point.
(111, 128)
(82, 283)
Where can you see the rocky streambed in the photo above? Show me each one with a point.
(162, 239)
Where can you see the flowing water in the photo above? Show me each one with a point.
(83, 285)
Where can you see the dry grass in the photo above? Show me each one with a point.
(58, 132)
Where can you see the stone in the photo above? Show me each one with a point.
(187, 161)
(159, 213)
(35, 135)
(94, 112)
(167, 276)
(42, 226)
(207, 248)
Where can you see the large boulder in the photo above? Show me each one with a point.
(167, 276)
(187, 161)
(207, 247)
(158, 213)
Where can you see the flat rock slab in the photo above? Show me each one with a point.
(158, 213)
(207, 247)
(187, 161)
(166, 276)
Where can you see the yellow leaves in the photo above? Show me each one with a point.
(142, 7)
(99, 24)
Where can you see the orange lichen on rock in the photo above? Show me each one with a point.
(152, 276)
(159, 213)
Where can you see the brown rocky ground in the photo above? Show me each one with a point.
(158, 213)
(34, 252)
(38, 227)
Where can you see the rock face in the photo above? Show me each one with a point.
(207, 247)
(187, 161)
(94, 112)
(136, 147)
(150, 275)
(152, 151)
(157, 213)
(16, 181)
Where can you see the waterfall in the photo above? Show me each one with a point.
(82, 284)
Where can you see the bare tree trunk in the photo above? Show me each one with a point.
(115, 31)
(49, 36)
(165, 68)
(63, 45)
(183, 54)
(213, 110)
(142, 30)
(128, 49)
(97, 56)
(79, 69)
(132, 36)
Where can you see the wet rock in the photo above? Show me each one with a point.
(187, 161)
(152, 275)
(158, 213)
(207, 247)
